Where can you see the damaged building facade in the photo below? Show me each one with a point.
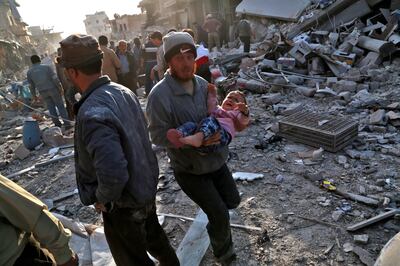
(15, 41)
(126, 27)
(181, 14)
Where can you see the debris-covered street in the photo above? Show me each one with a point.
(317, 169)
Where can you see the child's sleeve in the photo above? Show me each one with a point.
(241, 121)
(212, 102)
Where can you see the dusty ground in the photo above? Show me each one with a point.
(273, 204)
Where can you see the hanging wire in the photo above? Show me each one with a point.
(33, 109)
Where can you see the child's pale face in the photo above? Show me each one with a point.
(231, 101)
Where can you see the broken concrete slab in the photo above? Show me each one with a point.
(364, 256)
(21, 152)
(195, 243)
(361, 239)
(356, 9)
(272, 98)
(345, 85)
(372, 58)
(382, 47)
(278, 9)
(377, 117)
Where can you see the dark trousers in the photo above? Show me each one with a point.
(33, 255)
(69, 95)
(204, 72)
(246, 42)
(132, 232)
(127, 79)
(215, 193)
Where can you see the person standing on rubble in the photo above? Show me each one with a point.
(244, 32)
(44, 79)
(69, 90)
(150, 58)
(31, 234)
(127, 71)
(181, 97)
(111, 63)
(116, 168)
(211, 26)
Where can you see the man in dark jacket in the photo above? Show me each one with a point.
(116, 169)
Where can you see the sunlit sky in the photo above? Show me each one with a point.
(67, 15)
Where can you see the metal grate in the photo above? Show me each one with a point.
(332, 134)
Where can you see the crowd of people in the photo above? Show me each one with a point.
(116, 167)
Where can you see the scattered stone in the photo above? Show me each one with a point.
(347, 247)
(21, 152)
(345, 85)
(246, 176)
(336, 215)
(341, 159)
(361, 239)
(377, 117)
(272, 99)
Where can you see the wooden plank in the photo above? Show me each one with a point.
(195, 243)
(373, 220)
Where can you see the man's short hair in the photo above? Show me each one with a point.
(156, 35)
(35, 59)
(190, 31)
(103, 40)
(90, 69)
(136, 41)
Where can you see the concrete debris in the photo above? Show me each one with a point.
(339, 61)
(361, 239)
(246, 176)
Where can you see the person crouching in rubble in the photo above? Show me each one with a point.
(181, 97)
(231, 116)
(30, 234)
(116, 168)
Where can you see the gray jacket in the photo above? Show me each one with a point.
(114, 160)
(43, 78)
(170, 106)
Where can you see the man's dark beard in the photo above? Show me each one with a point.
(173, 74)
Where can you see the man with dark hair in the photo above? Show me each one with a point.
(150, 58)
(111, 63)
(116, 168)
(244, 32)
(45, 80)
(179, 98)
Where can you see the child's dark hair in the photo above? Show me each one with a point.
(241, 94)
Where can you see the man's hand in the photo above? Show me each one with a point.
(100, 207)
(242, 108)
(213, 140)
(74, 261)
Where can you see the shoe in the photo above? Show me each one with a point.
(173, 136)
